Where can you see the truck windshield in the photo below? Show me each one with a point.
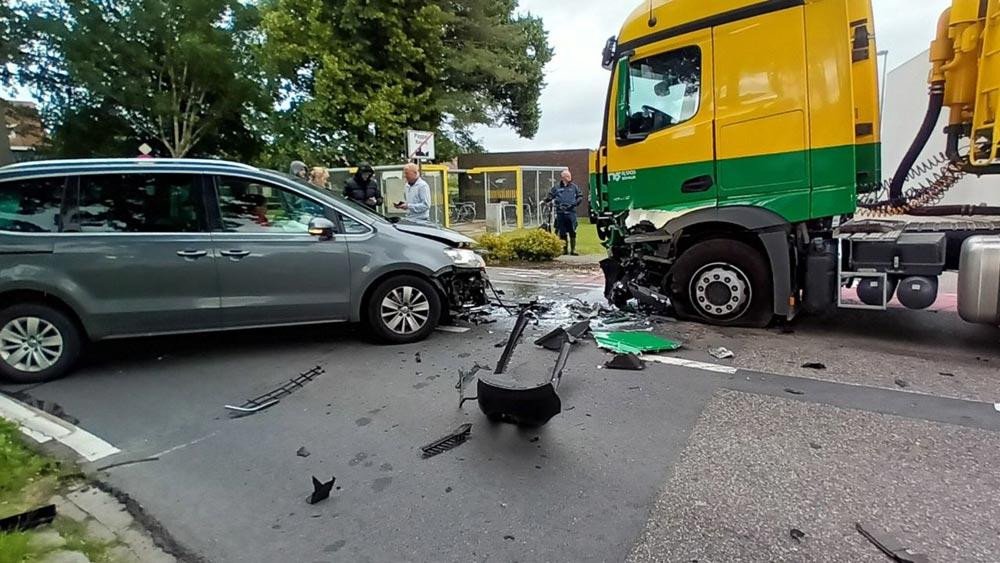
(664, 89)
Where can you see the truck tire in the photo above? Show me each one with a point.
(723, 282)
(38, 343)
(404, 309)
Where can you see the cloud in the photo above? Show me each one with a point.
(573, 101)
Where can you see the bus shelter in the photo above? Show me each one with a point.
(501, 199)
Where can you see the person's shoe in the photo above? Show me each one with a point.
(573, 254)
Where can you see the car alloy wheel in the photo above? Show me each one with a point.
(30, 344)
(405, 310)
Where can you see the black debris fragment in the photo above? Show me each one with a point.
(417, 357)
(451, 441)
(791, 391)
(814, 365)
(579, 330)
(321, 490)
(629, 362)
(891, 547)
(271, 398)
(797, 534)
(509, 537)
(902, 383)
(815, 446)
(946, 374)
(448, 489)
(28, 520)
(303, 452)
(555, 339)
(533, 440)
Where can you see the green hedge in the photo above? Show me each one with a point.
(532, 246)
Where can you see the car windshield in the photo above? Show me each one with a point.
(357, 207)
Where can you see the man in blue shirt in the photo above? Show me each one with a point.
(418, 196)
(566, 197)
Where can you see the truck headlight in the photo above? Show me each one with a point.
(465, 258)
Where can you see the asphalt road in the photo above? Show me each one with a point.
(593, 485)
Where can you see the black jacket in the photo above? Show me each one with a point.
(358, 190)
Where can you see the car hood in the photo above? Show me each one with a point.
(445, 236)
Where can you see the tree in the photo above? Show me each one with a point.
(175, 73)
(355, 74)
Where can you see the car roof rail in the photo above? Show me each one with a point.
(137, 161)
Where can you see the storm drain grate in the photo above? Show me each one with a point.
(451, 441)
(272, 398)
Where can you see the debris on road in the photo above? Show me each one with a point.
(303, 452)
(946, 374)
(449, 442)
(721, 353)
(321, 491)
(629, 362)
(271, 398)
(891, 547)
(902, 383)
(579, 330)
(417, 357)
(554, 340)
(814, 365)
(996, 407)
(634, 342)
(797, 534)
(454, 329)
(28, 520)
(791, 391)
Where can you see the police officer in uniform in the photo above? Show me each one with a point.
(566, 197)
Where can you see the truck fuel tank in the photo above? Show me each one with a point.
(979, 280)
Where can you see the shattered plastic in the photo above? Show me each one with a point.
(635, 342)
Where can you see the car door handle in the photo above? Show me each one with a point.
(235, 253)
(192, 254)
(699, 184)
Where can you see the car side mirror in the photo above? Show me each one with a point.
(322, 228)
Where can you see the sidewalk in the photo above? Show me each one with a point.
(588, 260)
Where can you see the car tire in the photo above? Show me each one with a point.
(403, 310)
(38, 343)
(723, 282)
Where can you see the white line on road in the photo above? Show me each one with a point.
(691, 364)
(43, 427)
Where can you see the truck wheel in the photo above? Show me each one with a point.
(37, 343)
(723, 282)
(404, 309)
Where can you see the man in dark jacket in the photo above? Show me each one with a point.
(363, 189)
(565, 197)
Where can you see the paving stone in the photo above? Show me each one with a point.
(68, 509)
(122, 554)
(46, 539)
(97, 531)
(104, 507)
(65, 557)
(143, 546)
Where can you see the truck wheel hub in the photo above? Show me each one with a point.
(720, 291)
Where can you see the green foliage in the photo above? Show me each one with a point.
(19, 466)
(14, 547)
(537, 246)
(116, 73)
(443, 65)
(498, 248)
(14, 36)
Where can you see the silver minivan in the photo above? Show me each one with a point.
(100, 249)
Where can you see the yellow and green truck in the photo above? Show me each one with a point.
(739, 177)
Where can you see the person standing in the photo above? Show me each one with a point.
(299, 170)
(362, 188)
(418, 196)
(319, 177)
(566, 197)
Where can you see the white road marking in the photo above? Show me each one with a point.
(43, 427)
(691, 364)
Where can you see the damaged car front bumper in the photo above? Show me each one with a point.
(465, 289)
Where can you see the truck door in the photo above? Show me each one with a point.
(661, 150)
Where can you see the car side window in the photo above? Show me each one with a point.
(248, 206)
(350, 226)
(664, 90)
(31, 206)
(140, 203)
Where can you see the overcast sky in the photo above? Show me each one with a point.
(573, 101)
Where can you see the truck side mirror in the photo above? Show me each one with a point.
(322, 228)
(610, 49)
(621, 105)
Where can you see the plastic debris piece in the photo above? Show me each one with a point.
(417, 357)
(629, 362)
(271, 398)
(451, 441)
(721, 353)
(634, 342)
(996, 406)
(555, 340)
(791, 391)
(579, 330)
(321, 490)
(454, 329)
(814, 365)
(797, 534)
(891, 547)
(303, 452)
(902, 383)
(28, 520)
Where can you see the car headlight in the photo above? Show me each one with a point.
(465, 258)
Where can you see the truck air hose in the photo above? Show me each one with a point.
(930, 192)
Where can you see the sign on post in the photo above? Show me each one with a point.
(420, 145)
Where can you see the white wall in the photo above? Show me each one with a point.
(905, 106)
